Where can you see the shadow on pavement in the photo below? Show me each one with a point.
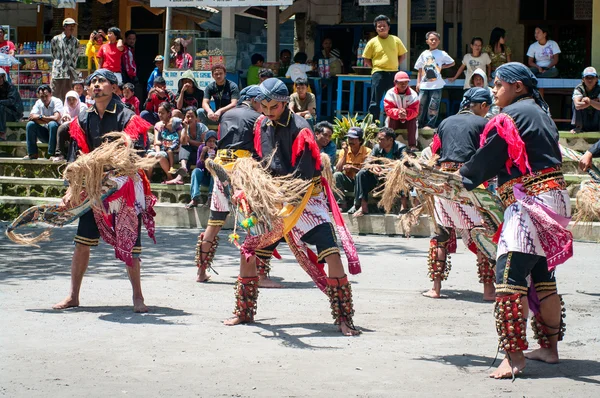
(581, 370)
(465, 295)
(124, 314)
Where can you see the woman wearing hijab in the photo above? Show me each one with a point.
(73, 107)
(520, 147)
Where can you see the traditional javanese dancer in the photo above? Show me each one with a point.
(520, 146)
(107, 190)
(236, 135)
(287, 146)
(456, 141)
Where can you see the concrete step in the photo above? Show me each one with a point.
(18, 149)
(177, 216)
(56, 188)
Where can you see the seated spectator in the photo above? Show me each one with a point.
(79, 87)
(200, 175)
(479, 79)
(109, 55)
(323, 133)
(587, 102)
(304, 103)
(285, 56)
(223, 92)
(252, 75)
(351, 160)
(156, 96)
(159, 63)
(72, 107)
(192, 136)
(11, 105)
(44, 119)
(166, 139)
(299, 68)
(543, 54)
(264, 74)
(333, 55)
(401, 105)
(89, 100)
(189, 94)
(130, 98)
(367, 180)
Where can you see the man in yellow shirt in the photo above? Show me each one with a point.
(383, 53)
(350, 162)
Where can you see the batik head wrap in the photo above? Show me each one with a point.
(273, 89)
(476, 95)
(513, 72)
(105, 73)
(250, 92)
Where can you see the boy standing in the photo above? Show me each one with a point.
(383, 53)
(429, 80)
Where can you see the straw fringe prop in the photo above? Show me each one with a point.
(266, 194)
(88, 183)
(588, 203)
(327, 173)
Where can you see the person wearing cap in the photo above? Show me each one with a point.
(367, 180)
(286, 145)
(11, 105)
(456, 141)
(384, 53)
(88, 132)
(520, 146)
(586, 100)
(350, 162)
(65, 51)
(159, 63)
(401, 105)
(235, 140)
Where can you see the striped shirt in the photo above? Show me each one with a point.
(65, 52)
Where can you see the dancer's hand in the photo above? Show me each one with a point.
(586, 161)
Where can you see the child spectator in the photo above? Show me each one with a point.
(71, 109)
(200, 175)
(156, 96)
(129, 97)
(159, 63)
(166, 141)
(257, 63)
(192, 136)
(109, 55)
(6, 47)
(303, 103)
(479, 79)
(498, 51)
(118, 90)
(183, 60)
(264, 74)
(189, 93)
(299, 68)
(429, 80)
(401, 105)
(472, 61)
(79, 87)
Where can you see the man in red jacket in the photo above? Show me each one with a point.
(401, 105)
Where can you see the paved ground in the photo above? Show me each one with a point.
(410, 346)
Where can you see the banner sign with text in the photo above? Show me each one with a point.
(220, 3)
(373, 2)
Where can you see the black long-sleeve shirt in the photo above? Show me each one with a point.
(459, 136)
(236, 129)
(539, 134)
(595, 150)
(278, 138)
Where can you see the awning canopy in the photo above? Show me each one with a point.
(53, 3)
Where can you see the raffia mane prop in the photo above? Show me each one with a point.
(265, 194)
(327, 173)
(588, 203)
(89, 184)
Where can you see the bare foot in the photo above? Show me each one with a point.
(432, 294)
(69, 302)
(348, 331)
(547, 355)
(358, 213)
(265, 282)
(489, 292)
(138, 305)
(504, 370)
(233, 321)
(202, 275)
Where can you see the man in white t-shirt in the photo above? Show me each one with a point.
(543, 55)
(430, 81)
(43, 122)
